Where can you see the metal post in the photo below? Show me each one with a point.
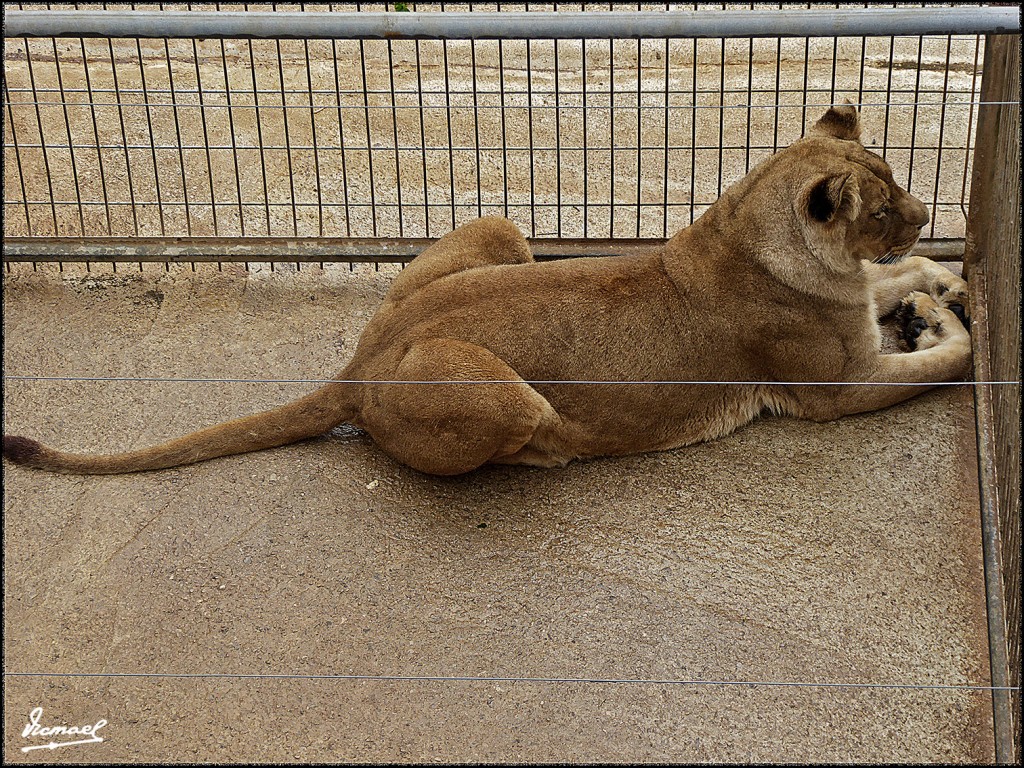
(507, 25)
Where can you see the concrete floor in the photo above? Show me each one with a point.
(790, 551)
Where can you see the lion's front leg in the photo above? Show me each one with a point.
(891, 283)
(942, 354)
(923, 321)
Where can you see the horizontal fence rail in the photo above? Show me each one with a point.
(531, 382)
(326, 249)
(513, 25)
(594, 680)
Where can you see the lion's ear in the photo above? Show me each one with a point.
(824, 207)
(840, 122)
(830, 197)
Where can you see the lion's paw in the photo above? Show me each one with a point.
(924, 323)
(950, 291)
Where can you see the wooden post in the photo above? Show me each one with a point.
(992, 263)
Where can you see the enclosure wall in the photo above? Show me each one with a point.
(994, 260)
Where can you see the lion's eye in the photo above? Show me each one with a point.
(882, 212)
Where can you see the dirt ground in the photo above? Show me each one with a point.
(788, 552)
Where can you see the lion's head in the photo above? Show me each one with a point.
(833, 194)
(851, 202)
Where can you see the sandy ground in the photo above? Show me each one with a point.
(788, 552)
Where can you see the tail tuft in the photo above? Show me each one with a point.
(22, 450)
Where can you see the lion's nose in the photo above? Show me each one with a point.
(920, 215)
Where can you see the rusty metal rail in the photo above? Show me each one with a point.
(326, 249)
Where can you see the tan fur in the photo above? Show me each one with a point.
(772, 284)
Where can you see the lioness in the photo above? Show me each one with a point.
(776, 282)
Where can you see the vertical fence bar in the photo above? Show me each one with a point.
(124, 139)
(42, 138)
(913, 119)
(558, 143)
(258, 118)
(158, 187)
(888, 96)
(316, 145)
(476, 124)
(394, 133)
(529, 122)
(287, 142)
(942, 132)
(504, 123)
(341, 138)
(832, 81)
(863, 63)
(665, 138)
(721, 117)
(807, 62)
(234, 143)
(970, 133)
(750, 100)
(693, 132)
(17, 157)
(448, 121)
(585, 143)
(423, 143)
(71, 143)
(96, 136)
(778, 95)
(206, 136)
(177, 133)
(639, 131)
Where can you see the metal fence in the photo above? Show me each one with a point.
(401, 139)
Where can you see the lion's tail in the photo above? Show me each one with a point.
(307, 417)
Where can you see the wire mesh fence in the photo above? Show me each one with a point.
(131, 138)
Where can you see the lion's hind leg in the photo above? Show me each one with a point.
(488, 241)
(441, 421)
